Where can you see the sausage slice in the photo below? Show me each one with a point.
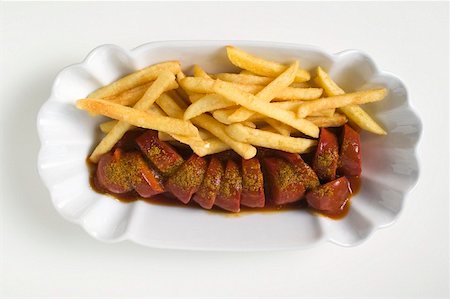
(206, 194)
(229, 195)
(326, 157)
(330, 197)
(252, 184)
(187, 179)
(284, 184)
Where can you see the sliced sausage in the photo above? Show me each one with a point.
(350, 154)
(187, 179)
(330, 197)
(304, 172)
(229, 195)
(151, 183)
(120, 172)
(162, 156)
(326, 156)
(206, 194)
(284, 184)
(128, 140)
(252, 184)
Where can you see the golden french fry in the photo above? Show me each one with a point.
(268, 93)
(281, 128)
(244, 79)
(291, 93)
(212, 145)
(270, 140)
(222, 115)
(198, 143)
(165, 137)
(194, 97)
(300, 85)
(205, 86)
(107, 126)
(336, 120)
(269, 129)
(261, 66)
(218, 129)
(209, 102)
(251, 102)
(246, 72)
(130, 97)
(162, 82)
(215, 145)
(180, 90)
(138, 118)
(249, 124)
(135, 79)
(355, 98)
(199, 72)
(325, 112)
(170, 107)
(353, 112)
(177, 98)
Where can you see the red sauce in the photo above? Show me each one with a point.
(166, 199)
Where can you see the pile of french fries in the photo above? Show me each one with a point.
(267, 104)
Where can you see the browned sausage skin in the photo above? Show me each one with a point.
(326, 158)
(252, 184)
(187, 179)
(350, 153)
(330, 197)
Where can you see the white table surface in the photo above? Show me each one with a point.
(44, 256)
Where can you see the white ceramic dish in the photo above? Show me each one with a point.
(390, 166)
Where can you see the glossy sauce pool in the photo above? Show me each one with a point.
(168, 200)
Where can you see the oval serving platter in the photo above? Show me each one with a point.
(390, 166)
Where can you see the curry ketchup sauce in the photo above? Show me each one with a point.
(284, 168)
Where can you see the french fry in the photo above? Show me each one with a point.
(209, 102)
(180, 90)
(249, 124)
(281, 128)
(251, 102)
(325, 112)
(261, 66)
(268, 93)
(135, 79)
(130, 97)
(177, 98)
(244, 79)
(162, 82)
(222, 115)
(215, 145)
(199, 144)
(211, 146)
(247, 72)
(107, 126)
(355, 98)
(205, 85)
(199, 72)
(132, 116)
(300, 85)
(353, 112)
(218, 129)
(270, 140)
(336, 120)
(170, 107)
(194, 97)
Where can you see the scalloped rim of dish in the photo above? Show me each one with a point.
(333, 57)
